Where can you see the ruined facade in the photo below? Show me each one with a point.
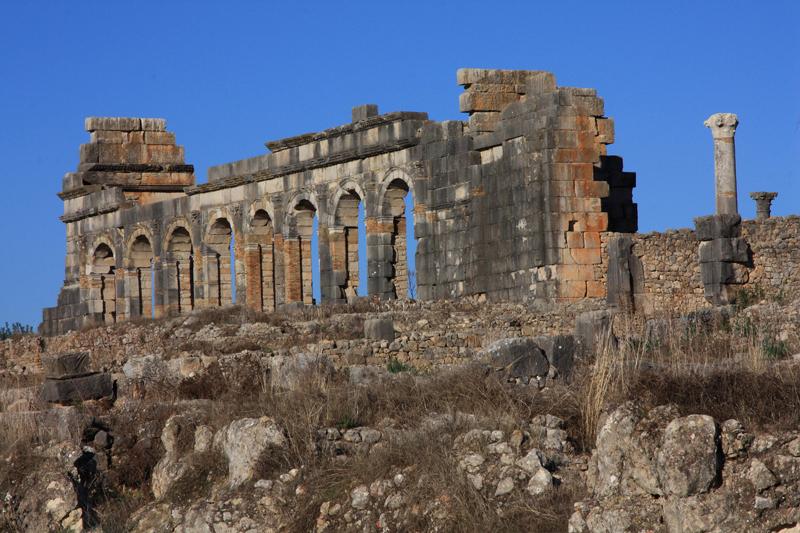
(512, 203)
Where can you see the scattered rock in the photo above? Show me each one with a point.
(244, 442)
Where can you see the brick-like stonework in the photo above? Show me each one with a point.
(513, 204)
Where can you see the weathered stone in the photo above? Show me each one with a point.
(379, 329)
(689, 460)
(720, 226)
(593, 330)
(66, 365)
(763, 204)
(723, 127)
(760, 476)
(78, 389)
(560, 351)
(244, 441)
(517, 357)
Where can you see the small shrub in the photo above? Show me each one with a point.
(748, 296)
(17, 329)
(395, 367)
(774, 349)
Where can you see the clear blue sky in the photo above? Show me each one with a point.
(230, 75)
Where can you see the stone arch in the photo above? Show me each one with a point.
(394, 186)
(102, 281)
(393, 190)
(218, 241)
(139, 260)
(343, 238)
(180, 268)
(298, 266)
(259, 259)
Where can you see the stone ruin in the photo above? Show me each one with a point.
(521, 202)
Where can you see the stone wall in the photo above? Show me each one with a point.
(512, 204)
(671, 270)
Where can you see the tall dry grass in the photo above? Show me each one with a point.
(728, 367)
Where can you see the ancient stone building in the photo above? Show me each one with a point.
(513, 203)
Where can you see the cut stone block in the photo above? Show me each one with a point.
(379, 329)
(734, 250)
(363, 112)
(518, 357)
(717, 226)
(113, 123)
(66, 365)
(79, 389)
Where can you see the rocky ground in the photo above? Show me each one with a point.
(459, 416)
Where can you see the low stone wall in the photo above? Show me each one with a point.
(671, 271)
(775, 243)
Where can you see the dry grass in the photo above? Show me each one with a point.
(724, 367)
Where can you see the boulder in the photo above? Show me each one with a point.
(290, 371)
(518, 357)
(381, 329)
(689, 460)
(244, 442)
(178, 440)
(145, 368)
(624, 462)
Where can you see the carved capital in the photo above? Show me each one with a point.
(722, 125)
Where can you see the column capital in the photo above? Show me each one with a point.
(722, 125)
(763, 196)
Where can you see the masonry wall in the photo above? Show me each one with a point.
(512, 204)
(671, 271)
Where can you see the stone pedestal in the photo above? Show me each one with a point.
(723, 256)
(763, 204)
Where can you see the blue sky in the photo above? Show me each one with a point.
(230, 75)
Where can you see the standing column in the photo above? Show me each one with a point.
(763, 204)
(723, 127)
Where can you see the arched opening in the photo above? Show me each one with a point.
(302, 258)
(180, 271)
(141, 258)
(399, 204)
(260, 263)
(220, 264)
(103, 282)
(346, 247)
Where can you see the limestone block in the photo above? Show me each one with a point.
(560, 351)
(159, 137)
(154, 124)
(78, 389)
(592, 329)
(689, 460)
(717, 273)
(733, 250)
(379, 329)
(66, 364)
(717, 226)
(364, 112)
(113, 124)
(518, 357)
(482, 101)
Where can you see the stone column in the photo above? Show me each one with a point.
(723, 127)
(763, 204)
